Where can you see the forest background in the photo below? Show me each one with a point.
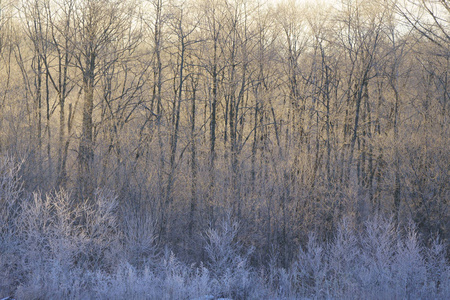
(181, 119)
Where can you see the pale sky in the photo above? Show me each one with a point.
(301, 1)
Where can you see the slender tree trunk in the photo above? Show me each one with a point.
(86, 148)
(193, 207)
(212, 141)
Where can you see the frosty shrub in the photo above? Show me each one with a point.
(139, 239)
(409, 267)
(57, 247)
(343, 261)
(100, 229)
(58, 242)
(311, 268)
(380, 262)
(227, 261)
(438, 269)
(378, 251)
(10, 192)
(127, 282)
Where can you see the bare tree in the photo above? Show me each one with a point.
(102, 37)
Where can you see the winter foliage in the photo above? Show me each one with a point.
(224, 149)
(54, 248)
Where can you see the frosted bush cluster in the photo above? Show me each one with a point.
(53, 247)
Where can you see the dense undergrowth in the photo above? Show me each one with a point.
(53, 247)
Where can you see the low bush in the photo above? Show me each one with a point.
(57, 247)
